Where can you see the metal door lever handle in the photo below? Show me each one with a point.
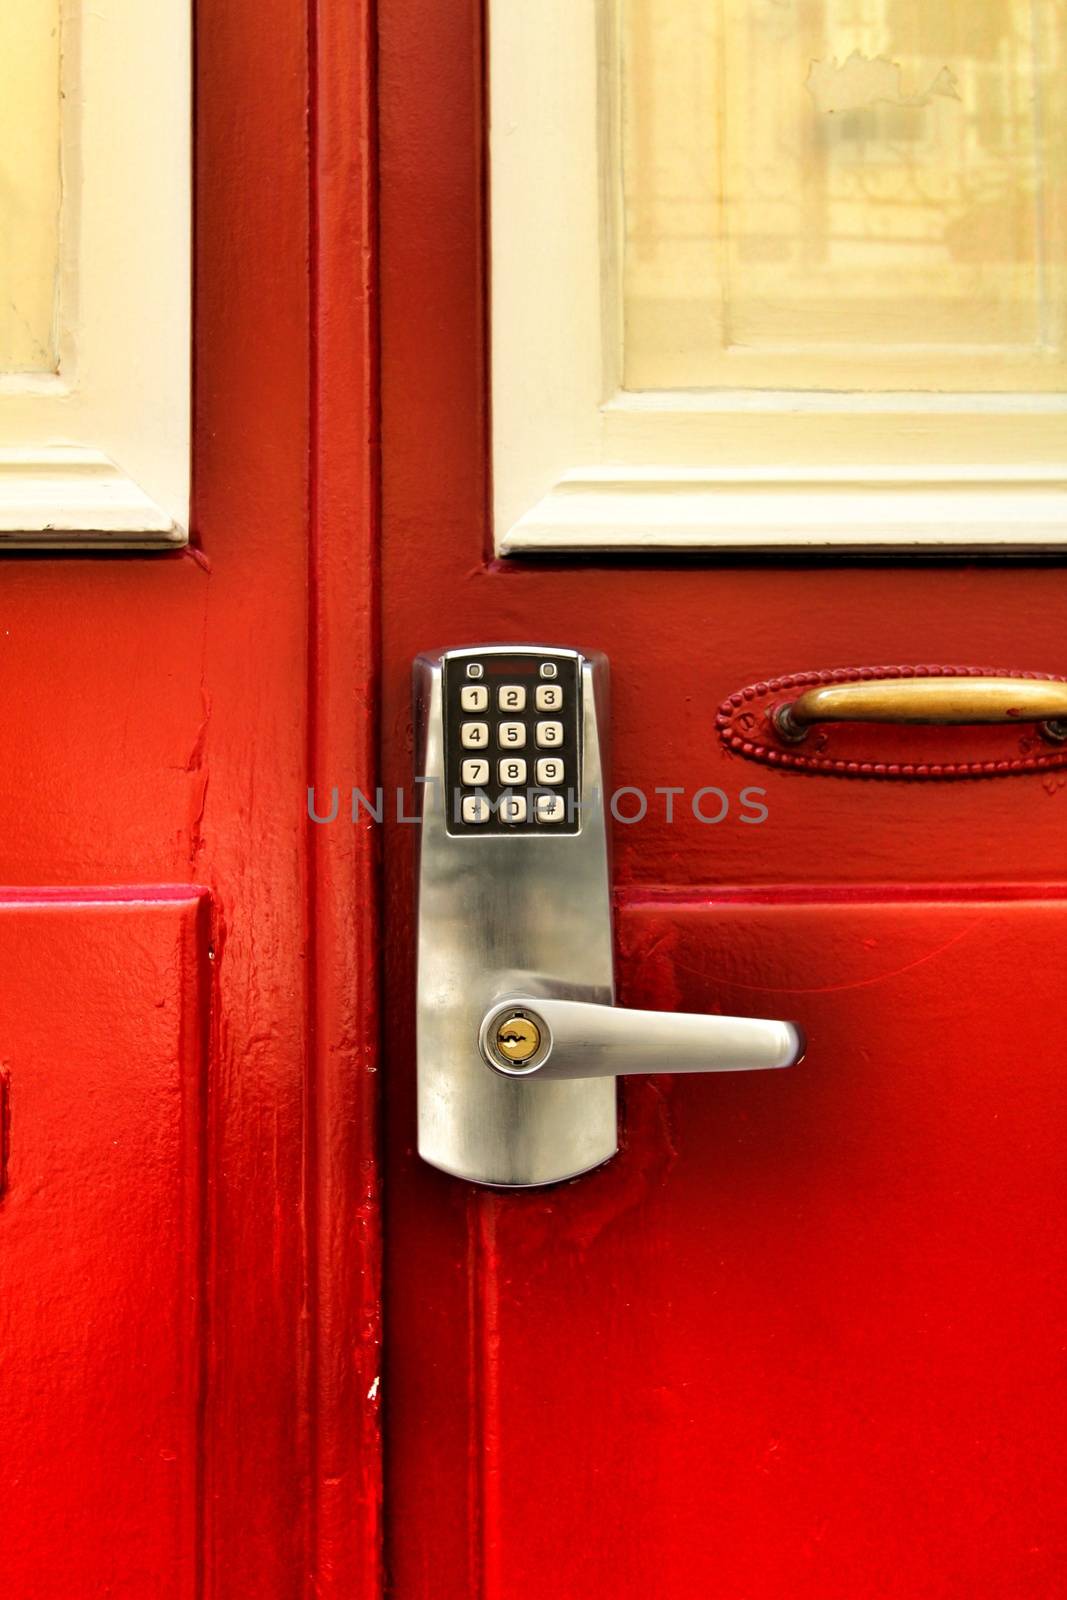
(579, 1039)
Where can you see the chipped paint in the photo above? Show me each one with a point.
(861, 81)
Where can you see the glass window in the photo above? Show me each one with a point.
(29, 184)
(844, 194)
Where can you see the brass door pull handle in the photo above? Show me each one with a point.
(931, 700)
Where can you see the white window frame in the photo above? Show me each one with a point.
(579, 465)
(97, 454)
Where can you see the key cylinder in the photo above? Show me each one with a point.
(518, 1039)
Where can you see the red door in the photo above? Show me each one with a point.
(803, 1335)
(188, 1242)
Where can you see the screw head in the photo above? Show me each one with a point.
(517, 1039)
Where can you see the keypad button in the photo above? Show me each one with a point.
(550, 770)
(475, 808)
(512, 770)
(474, 670)
(511, 697)
(474, 735)
(549, 734)
(511, 735)
(474, 697)
(549, 669)
(549, 696)
(549, 808)
(475, 771)
(513, 808)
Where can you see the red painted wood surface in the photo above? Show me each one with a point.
(163, 717)
(106, 1012)
(801, 1337)
(805, 1336)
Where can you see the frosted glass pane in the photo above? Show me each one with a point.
(844, 193)
(29, 183)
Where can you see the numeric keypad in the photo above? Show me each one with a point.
(512, 742)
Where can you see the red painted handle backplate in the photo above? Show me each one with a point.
(746, 727)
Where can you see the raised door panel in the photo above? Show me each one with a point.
(804, 1335)
(104, 1012)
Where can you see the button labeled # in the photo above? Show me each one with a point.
(549, 808)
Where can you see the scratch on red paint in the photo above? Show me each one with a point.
(484, 1390)
(198, 557)
(196, 754)
(712, 977)
(196, 839)
(5, 1124)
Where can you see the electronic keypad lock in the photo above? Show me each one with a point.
(519, 1039)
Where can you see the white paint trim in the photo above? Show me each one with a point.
(68, 496)
(580, 466)
(99, 453)
(802, 510)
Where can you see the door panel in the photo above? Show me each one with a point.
(163, 717)
(806, 1337)
(105, 1028)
